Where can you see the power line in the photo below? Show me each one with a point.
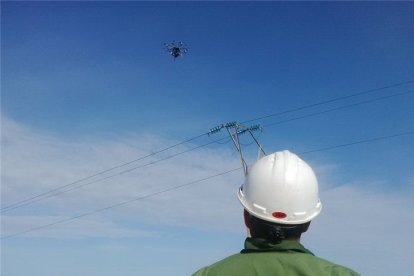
(119, 204)
(339, 108)
(17, 204)
(58, 190)
(330, 101)
(370, 140)
(359, 142)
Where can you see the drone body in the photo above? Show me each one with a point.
(176, 49)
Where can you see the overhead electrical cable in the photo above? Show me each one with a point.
(142, 197)
(338, 108)
(370, 140)
(11, 206)
(58, 190)
(329, 101)
(120, 204)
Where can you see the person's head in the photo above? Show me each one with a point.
(280, 196)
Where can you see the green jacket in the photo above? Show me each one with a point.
(289, 258)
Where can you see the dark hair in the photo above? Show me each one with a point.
(275, 232)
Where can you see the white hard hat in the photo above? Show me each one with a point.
(281, 188)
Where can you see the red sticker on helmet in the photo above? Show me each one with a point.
(279, 215)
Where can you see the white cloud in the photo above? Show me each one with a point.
(73, 229)
(34, 163)
(363, 225)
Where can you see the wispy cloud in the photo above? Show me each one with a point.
(77, 229)
(34, 163)
(363, 225)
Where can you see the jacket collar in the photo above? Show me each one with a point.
(261, 245)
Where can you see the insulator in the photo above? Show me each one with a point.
(215, 129)
(231, 124)
(255, 127)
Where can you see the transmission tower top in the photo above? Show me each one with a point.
(235, 130)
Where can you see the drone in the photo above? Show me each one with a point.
(176, 49)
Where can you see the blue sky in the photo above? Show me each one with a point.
(87, 86)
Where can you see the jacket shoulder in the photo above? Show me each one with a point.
(226, 265)
(257, 264)
(335, 269)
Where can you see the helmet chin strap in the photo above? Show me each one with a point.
(246, 216)
(248, 233)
